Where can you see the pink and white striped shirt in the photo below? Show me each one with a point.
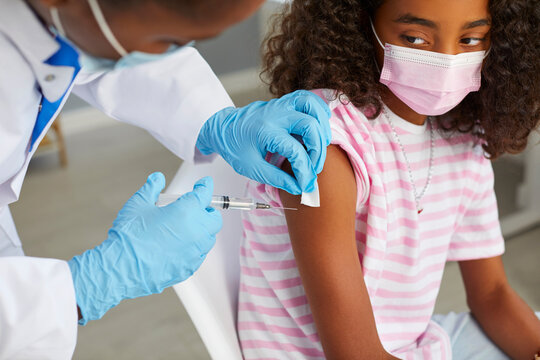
(402, 253)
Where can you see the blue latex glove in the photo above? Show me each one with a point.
(243, 136)
(148, 249)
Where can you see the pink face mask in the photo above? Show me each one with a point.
(430, 83)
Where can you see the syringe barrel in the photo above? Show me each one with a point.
(218, 201)
(228, 202)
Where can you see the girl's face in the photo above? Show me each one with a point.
(443, 26)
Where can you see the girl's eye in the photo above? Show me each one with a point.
(472, 41)
(413, 40)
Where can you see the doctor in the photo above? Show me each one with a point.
(130, 59)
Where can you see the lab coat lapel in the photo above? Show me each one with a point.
(66, 56)
(37, 45)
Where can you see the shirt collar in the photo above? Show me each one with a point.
(19, 24)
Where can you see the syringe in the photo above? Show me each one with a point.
(223, 202)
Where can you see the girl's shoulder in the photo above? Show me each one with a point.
(346, 118)
(338, 102)
(356, 135)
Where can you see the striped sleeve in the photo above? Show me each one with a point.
(339, 138)
(477, 233)
(349, 132)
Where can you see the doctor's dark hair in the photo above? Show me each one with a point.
(193, 9)
(329, 44)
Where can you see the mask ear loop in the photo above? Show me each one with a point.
(56, 21)
(105, 29)
(375, 33)
(380, 43)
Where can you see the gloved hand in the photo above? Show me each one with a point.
(243, 136)
(148, 249)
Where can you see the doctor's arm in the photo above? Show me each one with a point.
(499, 310)
(324, 245)
(148, 248)
(181, 102)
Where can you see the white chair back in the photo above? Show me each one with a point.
(210, 296)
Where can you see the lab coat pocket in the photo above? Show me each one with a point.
(8, 232)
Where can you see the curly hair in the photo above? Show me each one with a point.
(328, 44)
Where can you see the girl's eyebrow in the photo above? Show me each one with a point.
(411, 19)
(476, 23)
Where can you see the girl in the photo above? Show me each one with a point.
(423, 94)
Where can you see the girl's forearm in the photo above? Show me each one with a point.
(509, 322)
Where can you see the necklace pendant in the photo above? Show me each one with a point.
(419, 209)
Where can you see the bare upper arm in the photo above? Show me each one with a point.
(482, 277)
(324, 245)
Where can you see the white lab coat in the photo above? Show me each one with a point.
(170, 98)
